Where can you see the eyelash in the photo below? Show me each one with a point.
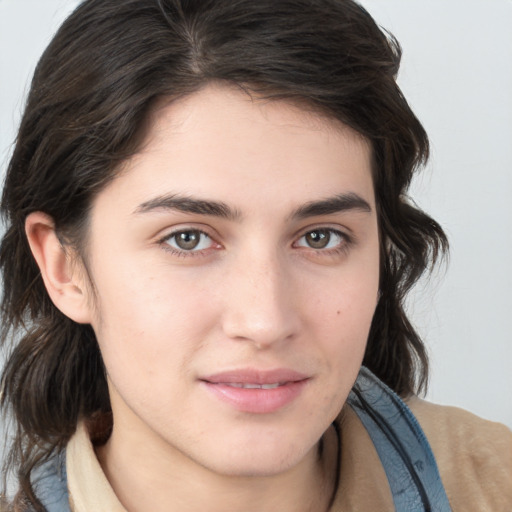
(342, 247)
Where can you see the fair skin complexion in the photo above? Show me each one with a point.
(238, 249)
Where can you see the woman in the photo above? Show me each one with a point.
(207, 235)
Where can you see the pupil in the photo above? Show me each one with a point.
(187, 239)
(318, 239)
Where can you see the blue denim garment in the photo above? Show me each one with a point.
(401, 444)
(50, 484)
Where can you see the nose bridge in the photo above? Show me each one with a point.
(259, 305)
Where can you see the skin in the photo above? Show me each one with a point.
(253, 294)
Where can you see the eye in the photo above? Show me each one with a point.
(323, 238)
(189, 240)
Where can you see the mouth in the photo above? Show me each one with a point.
(258, 392)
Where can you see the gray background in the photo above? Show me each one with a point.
(457, 75)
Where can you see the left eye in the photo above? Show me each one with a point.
(321, 239)
(189, 240)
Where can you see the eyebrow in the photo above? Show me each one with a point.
(339, 203)
(189, 205)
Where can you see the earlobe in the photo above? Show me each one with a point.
(60, 274)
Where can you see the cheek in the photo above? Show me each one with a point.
(148, 327)
(342, 312)
(345, 301)
(342, 336)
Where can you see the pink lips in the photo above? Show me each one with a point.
(256, 391)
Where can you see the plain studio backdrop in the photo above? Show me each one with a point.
(457, 75)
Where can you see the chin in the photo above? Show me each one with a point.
(259, 459)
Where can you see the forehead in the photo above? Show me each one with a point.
(225, 143)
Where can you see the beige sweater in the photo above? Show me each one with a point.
(474, 458)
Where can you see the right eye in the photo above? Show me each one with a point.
(188, 240)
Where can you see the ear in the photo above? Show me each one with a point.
(64, 281)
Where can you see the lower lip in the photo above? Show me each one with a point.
(260, 401)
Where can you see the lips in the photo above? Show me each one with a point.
(254, 391)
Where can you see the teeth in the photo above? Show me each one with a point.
(254, 386)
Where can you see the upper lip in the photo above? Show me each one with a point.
(255, 376)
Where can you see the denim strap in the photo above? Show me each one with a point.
(401, 444)
(50, 484)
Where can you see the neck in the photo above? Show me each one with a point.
(178, 483)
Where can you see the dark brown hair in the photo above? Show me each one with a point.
(91, 95)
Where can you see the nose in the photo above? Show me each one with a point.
(259, 302)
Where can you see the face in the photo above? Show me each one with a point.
(235, 262)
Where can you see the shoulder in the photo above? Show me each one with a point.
(474, 456)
